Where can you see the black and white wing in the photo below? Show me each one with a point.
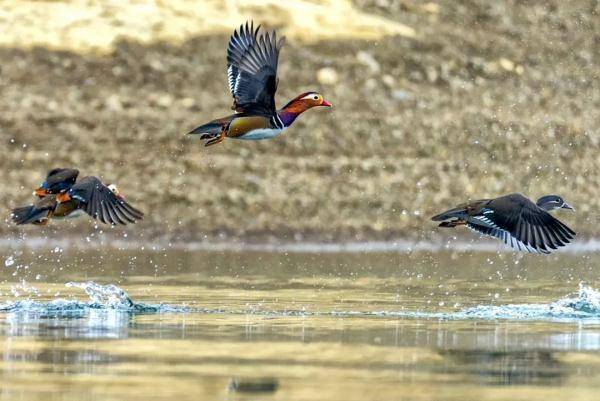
(97, 200)
(252, 69)
(522, 226)
(503, 235)
(239, 44)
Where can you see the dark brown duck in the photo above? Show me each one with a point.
(516, 220)
(60, 196)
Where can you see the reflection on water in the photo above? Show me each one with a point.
(258, 385)
(214, 325)
(509, 368)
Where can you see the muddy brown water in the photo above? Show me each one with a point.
(295, 326)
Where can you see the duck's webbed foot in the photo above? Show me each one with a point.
(215, 140)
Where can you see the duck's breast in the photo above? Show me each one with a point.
(257, 134)
(255, 127)
(67, 209)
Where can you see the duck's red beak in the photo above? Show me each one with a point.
(326, 103)
(41, 192)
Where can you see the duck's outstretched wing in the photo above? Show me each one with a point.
(97, 200)
(60, 179)
(252, 69)
(527, 223)
(239, 45)
(505, 236)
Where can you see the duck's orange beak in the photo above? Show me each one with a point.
(326, 103)
(41, 192)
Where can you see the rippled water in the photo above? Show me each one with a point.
(173, 324)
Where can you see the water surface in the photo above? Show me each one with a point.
(417, 325)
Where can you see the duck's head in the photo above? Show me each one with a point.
(552, 202)
(42, 190)
(113, 188)
(305, 101)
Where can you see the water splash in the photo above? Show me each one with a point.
(584, 305)
(109, 295)
(581, 307)
(102, 297)
(9, 261)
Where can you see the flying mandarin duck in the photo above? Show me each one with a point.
(252, 70)
(60, 196)
(516, 220)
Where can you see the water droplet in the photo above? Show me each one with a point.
(9, 261)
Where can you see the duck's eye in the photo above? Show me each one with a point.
(316, 97)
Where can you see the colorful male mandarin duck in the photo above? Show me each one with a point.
(252, 70)
(60, 196)
(516, 220)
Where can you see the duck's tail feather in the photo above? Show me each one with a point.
(208, 131)
(449, 214)
(28, 214)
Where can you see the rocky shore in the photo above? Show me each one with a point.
(485, 98)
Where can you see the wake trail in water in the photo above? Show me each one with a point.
(583, 306)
